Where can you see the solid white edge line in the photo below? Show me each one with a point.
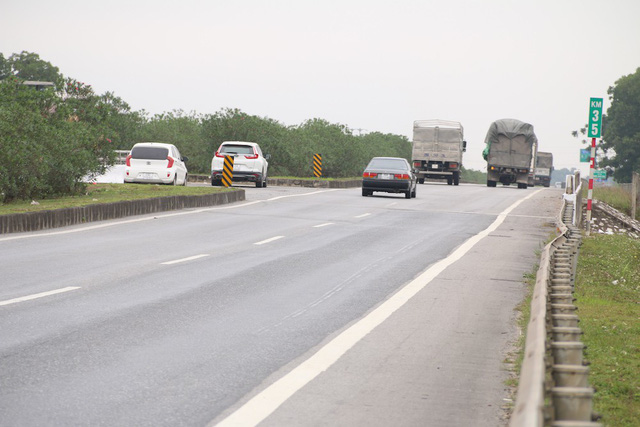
(40, 295)
(258, 408)
(323, 225)
(362, 216)
(268, 240)
(191, 258)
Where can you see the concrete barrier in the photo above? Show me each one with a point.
(296, 182)
(41, 220)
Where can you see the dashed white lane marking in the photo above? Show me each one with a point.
(268, 240)
(40, 295)
(323, 225)
(191, 258)
(258, 408)
(362, 216)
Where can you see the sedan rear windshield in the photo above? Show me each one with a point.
(236, 149)
(149, 153)
(395, 164)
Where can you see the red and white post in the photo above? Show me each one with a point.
(592, 166)
(594, 131)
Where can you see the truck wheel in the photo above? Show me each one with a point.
(491, 183)
(456, 178)
(421, 180)
(520, 185)
(449, 180)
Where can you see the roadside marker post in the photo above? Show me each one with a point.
(317, 165)
(594, 131)
(227, 171)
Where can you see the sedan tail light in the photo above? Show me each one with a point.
(129, 160)
(170, 164)
(369, 175)
(401, 176)
(219, 155)
(255, 156)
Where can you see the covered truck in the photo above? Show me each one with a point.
(510, 148)
(544, 167)
(437, 150)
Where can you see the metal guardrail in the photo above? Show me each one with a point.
(553, 388)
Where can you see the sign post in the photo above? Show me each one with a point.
(595, 130)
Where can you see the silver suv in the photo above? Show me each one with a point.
(248, 163)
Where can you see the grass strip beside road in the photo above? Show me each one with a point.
(106, 193)
(608, 298)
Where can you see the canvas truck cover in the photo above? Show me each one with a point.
(544, 162)
(437, 140)
(509, 143)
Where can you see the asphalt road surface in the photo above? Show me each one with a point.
(295, 307)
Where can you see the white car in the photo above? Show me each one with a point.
(155, 162)
(248, 163)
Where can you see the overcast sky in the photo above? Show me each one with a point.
(368, 64)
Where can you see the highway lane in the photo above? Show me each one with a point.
(179, 317)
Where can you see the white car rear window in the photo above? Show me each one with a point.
(149, 153)
(236, 149)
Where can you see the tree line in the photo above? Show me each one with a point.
(620, 147)
(50, 139)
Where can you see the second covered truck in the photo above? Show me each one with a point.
(510, 151)
(437, 150)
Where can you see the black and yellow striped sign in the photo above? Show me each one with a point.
(317, 165)
(227, 171)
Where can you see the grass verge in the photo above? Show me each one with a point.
(106, 193)
(616, 197)
(608, 298)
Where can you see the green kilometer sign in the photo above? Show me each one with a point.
(595, 117)
(600, 174)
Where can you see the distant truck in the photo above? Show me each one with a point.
(509, 151)
(544, 167)
(437, 150)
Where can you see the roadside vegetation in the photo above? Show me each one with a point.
(51, 138)
(616, 197)
(608, 299)
(106, 193)
(473, 176)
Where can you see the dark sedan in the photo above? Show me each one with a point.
(389, 175)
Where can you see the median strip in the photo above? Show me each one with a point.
(40, 295)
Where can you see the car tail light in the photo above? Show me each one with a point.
(417, 164)
(129, 160)
(369, 175)
(255, 156)
(219, 155)
(170, 164)
(453, 165)
(401, 176)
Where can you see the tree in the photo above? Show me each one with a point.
(5, 67)
(621, 127)
(29, 66)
